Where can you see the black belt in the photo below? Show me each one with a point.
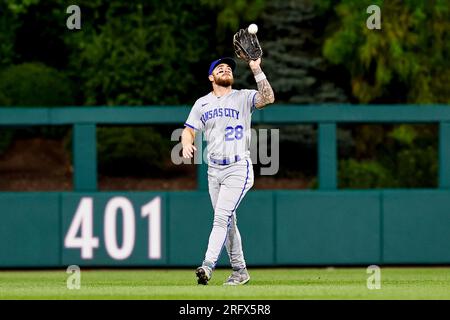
(225, 161)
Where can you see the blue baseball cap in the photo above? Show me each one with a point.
(227, 60)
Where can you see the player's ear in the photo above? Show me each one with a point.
(211, 78)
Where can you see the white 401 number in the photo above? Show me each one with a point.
(83, 224)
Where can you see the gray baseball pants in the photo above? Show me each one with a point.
(228, 185)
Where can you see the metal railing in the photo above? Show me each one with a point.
(85, 119)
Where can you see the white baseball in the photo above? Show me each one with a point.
(253, 28)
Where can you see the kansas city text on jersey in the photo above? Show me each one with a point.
(219, 112)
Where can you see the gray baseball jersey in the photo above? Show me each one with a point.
(226, 122)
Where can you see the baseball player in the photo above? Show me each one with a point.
(224, 115)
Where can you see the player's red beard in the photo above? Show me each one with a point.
(224, 81)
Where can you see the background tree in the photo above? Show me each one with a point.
(406, 61)
(292, 35)
(140, 54)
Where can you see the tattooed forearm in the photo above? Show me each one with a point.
(265, 93)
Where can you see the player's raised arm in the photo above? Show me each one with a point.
(247, 47)
(265, 93)
(187, 140)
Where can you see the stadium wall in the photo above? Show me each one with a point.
(327, 226)
(279, 228)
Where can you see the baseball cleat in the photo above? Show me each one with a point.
(237, 278)
(203, 274)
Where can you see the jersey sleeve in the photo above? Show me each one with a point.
(251, 99)
(194, 119)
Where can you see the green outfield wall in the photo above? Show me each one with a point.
(326, 226)
(157, 229)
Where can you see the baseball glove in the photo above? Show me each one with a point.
(246, 45)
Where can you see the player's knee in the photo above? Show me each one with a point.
(220, 222)
(222, 218)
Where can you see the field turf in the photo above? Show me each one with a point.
(300, 283)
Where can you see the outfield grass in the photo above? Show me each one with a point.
(323, 283)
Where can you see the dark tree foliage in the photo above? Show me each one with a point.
(291, 34)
